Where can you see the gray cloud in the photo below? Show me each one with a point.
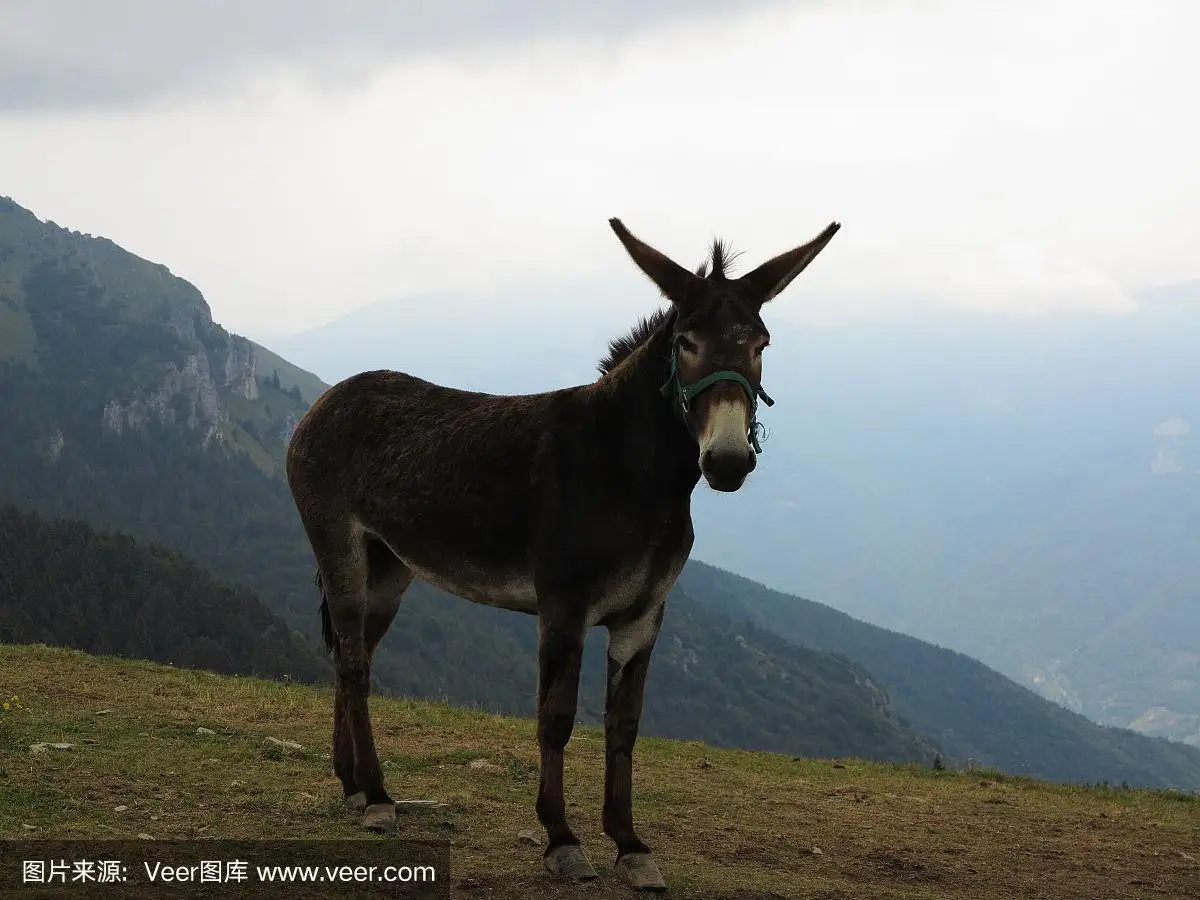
(71, 54)
(1027, 157)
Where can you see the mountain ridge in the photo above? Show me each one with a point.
(224, 505)
(70, 297)
(969, 710)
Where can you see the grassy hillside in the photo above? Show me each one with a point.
(725, 824)
(971, 711)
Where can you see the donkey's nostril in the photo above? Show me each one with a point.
(726, 470)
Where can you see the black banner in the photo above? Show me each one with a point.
(223, 870)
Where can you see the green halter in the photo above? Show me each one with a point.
(685, 393)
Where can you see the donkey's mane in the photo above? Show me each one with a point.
(620, 348)
(715, 268)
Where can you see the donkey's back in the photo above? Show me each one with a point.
(444, 479)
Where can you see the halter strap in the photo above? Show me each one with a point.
(685, 393)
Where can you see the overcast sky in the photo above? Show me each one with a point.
(298, 159)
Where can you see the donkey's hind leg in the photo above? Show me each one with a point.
(387, 580)
(343, 741)
(345, 575)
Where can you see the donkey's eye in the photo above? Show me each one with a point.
(687, 345)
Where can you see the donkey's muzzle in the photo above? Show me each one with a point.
(726, 469)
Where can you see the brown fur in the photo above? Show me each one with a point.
(573, 505)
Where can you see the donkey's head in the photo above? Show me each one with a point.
(718, 345)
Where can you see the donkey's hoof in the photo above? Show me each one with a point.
(380, 817)
(569, 861)
(357, 802)
(640, 872)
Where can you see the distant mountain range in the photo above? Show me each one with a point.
(1026, 492)
(126, 407)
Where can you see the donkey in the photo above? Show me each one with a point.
(572, 505)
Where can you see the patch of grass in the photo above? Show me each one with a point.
(724, 824)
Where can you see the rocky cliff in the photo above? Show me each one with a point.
(77, 305)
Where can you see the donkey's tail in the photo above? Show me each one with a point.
(326, 619)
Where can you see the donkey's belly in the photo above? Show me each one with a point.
(452, 551)
(514, 592)
(625, 587)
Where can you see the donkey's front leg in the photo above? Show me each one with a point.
(560, 653)
(629, 649)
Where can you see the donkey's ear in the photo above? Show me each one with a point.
(676, 282)
(775, 274)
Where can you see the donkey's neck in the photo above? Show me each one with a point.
(656, 448)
